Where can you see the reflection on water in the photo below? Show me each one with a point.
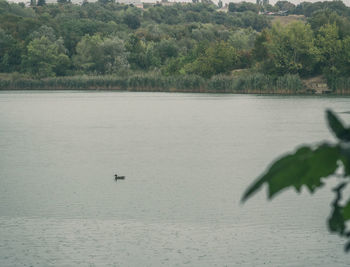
(187, 160)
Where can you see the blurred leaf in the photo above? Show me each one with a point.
(336, 222)
(347, 247)
(306, 166)
(337, 127)
(346, 160)
(346, 211)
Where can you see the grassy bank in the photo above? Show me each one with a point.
(340, 86)
(248, 83)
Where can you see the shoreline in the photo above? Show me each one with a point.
(173, 90)
(252, 83)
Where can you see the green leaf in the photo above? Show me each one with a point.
(337, 127)
(340, 214)
(307, 166)
(347, 247)
(346, 160)
(336, 222)
(346, 211)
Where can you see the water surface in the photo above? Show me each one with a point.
(187, 159)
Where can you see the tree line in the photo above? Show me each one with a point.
(193, 39)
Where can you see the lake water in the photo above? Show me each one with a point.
(187, 159)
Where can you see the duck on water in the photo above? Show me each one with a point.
(116, 177)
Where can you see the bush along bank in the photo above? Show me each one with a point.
(255, 83)
(123, 45)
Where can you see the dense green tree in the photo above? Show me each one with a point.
(43, 31)
(137, 53)
(219, 4)
(232, 7)
(87, 52)
(177, 39)
(10, 53)
(323, 17)
(285, 6)
(291, 49)
(207, 2)
(243, 7)
(330, 48)
(113, 55)
(132, 19)
(250, 19)
(260, 52)
(153, 59)
(101, 56)
(243, 39)
(46, 58)
(105, 2)
(308, 9)
(344, 62)
(72, 30)
(166, 49)
(217, 58)
(41, 2)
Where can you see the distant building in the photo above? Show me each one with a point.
(139, 5)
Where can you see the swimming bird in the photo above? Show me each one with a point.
(116, 177)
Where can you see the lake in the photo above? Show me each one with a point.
(187, 159)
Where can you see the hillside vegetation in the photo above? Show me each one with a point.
(188, 46)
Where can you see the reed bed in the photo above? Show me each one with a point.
(340, 85)
(250, 83)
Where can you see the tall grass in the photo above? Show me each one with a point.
(290, 83)
(249, 83)
(140, 82)
(340, 85)
(256, 83)
(74, 82)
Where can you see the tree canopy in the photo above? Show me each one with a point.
(178, 39)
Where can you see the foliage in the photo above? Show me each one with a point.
(340, 85)
(41, 2)
(131, 18)
(290, 49)
(101, 56)
(153, 81)
(290, 82)
(308, 167)
(219, 4)
(46, 58)
(63, 1)
(106, 37)
(242, 7)
(10, 51)
(217, 58)
(324, 17)
(43, 31)
(243, 39)
(285, 6)
(308, 9)
(330, 48)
